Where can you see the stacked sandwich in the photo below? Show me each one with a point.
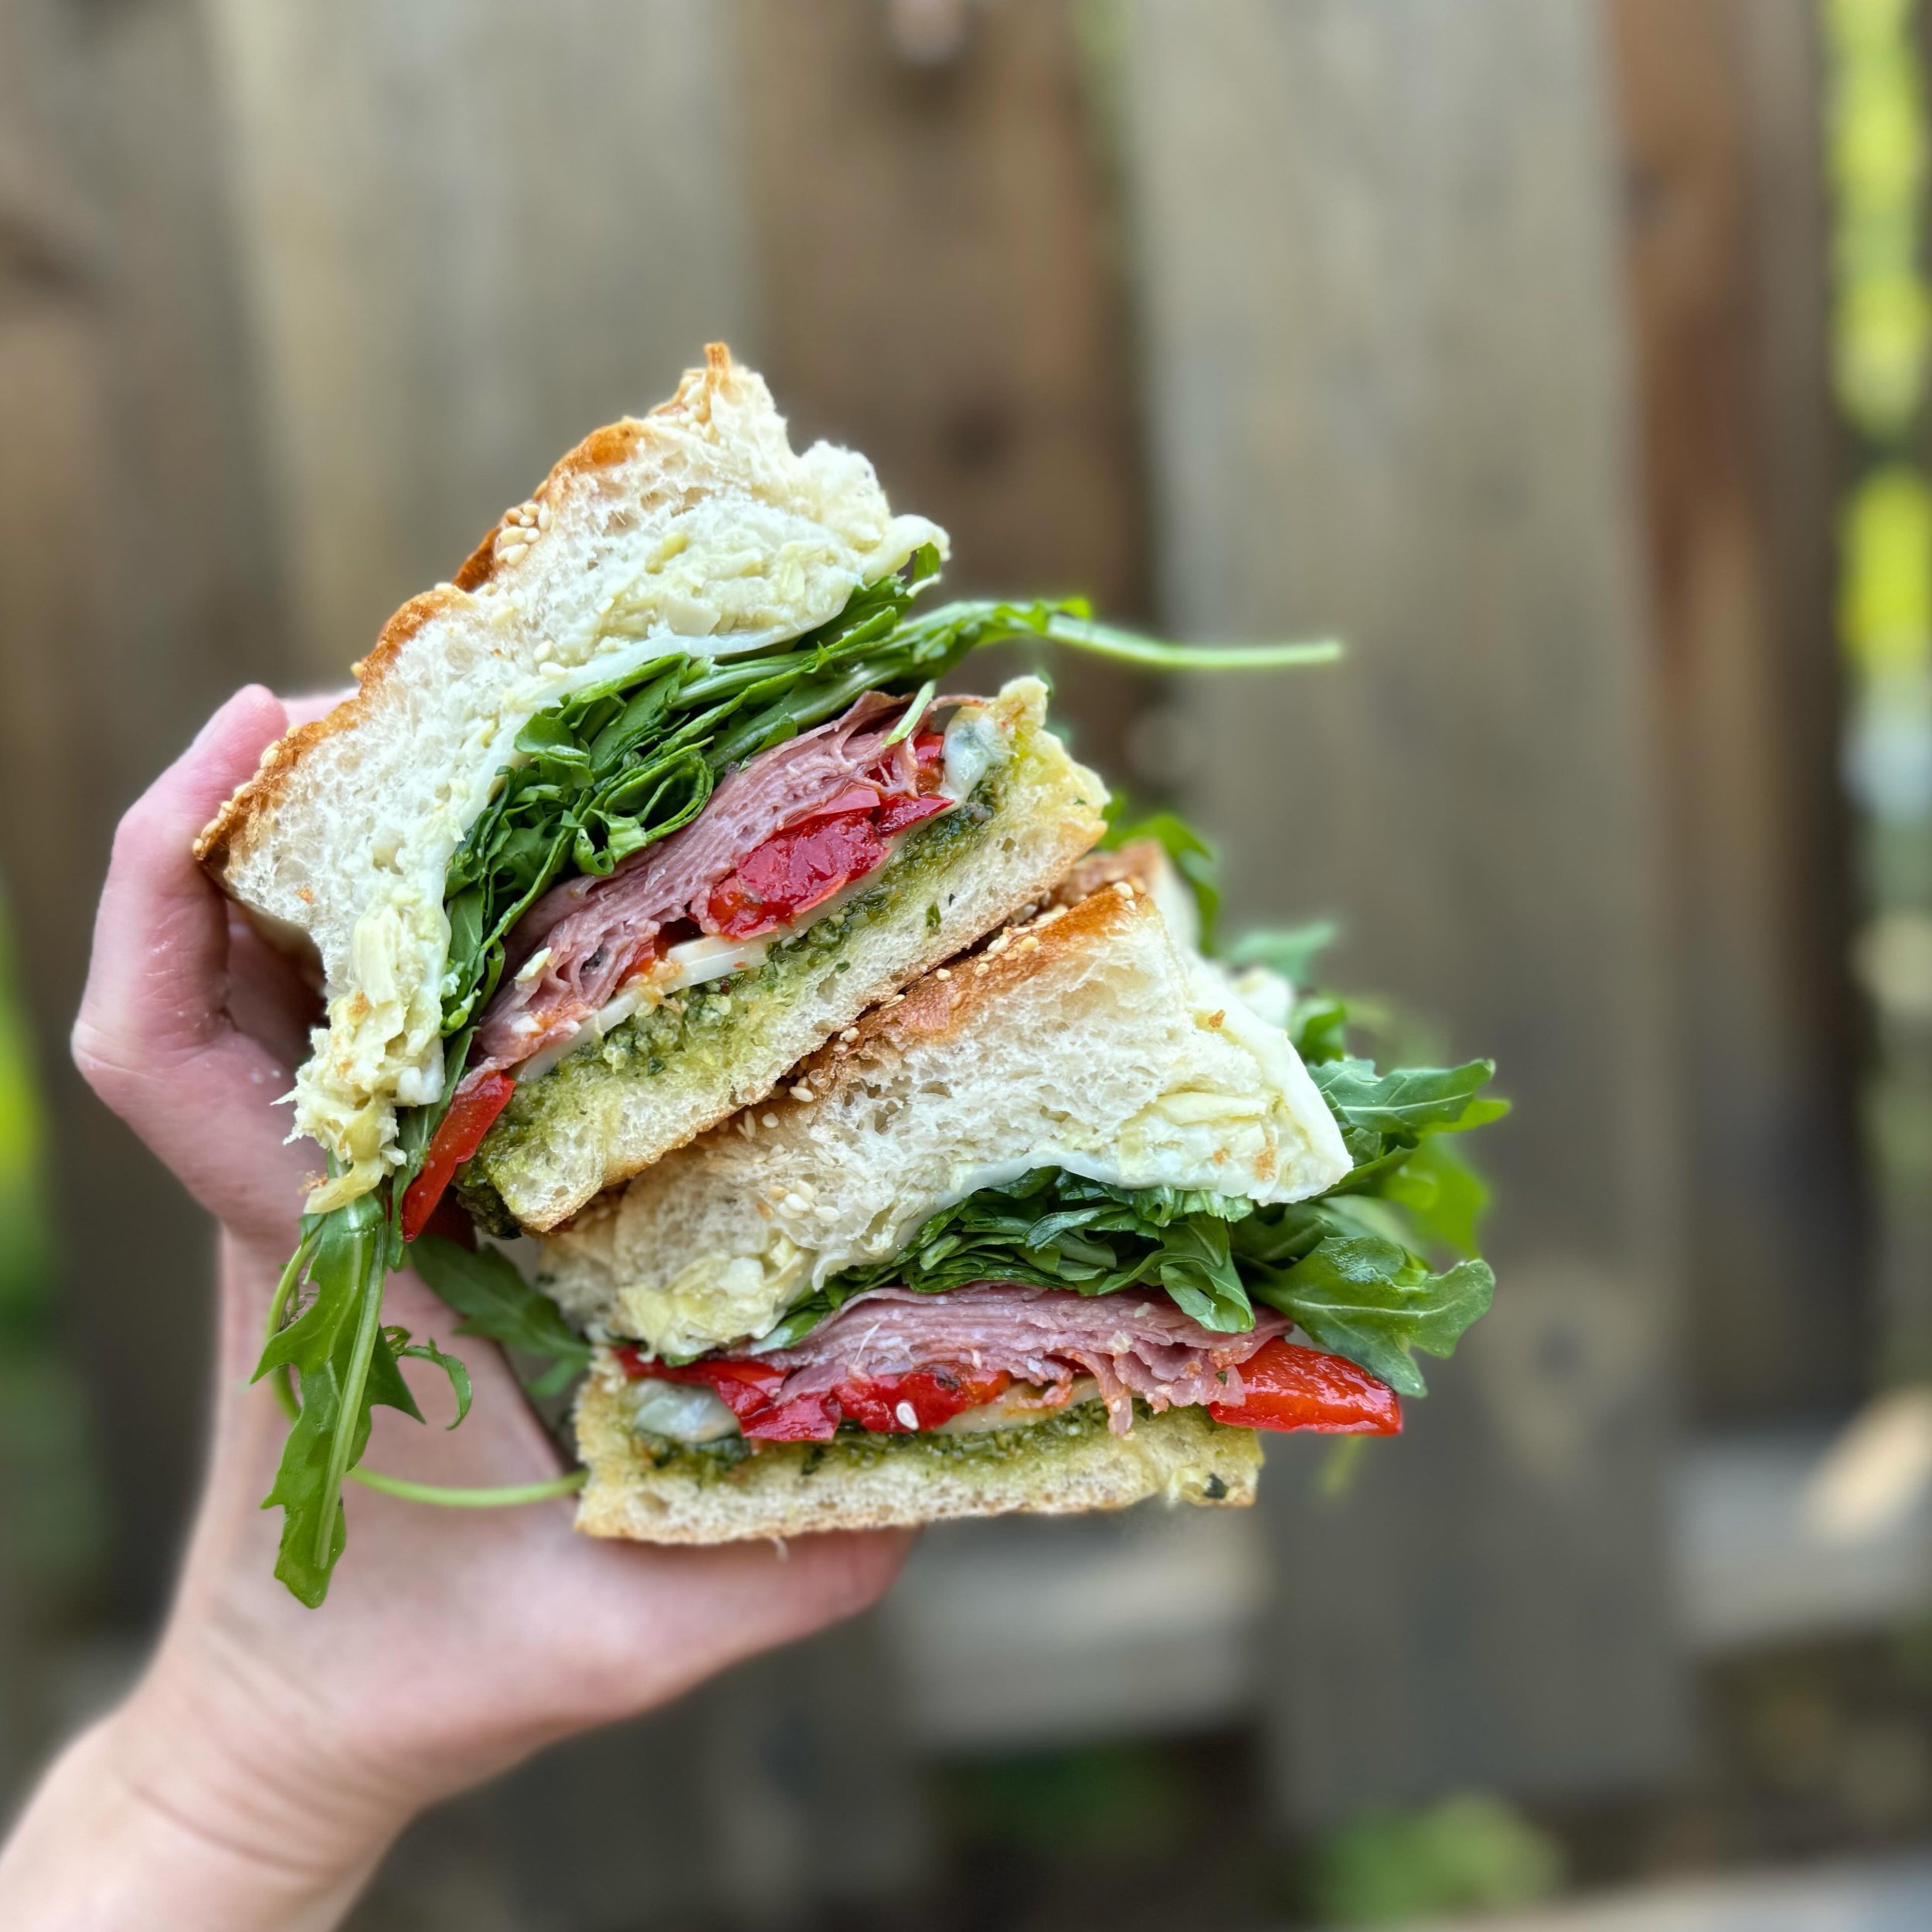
(893, 1152)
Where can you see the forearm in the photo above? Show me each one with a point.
(133, 1829)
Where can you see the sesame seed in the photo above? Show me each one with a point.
(795, 1204)
(511, 553)
(944, 972)
(849, 1035)
(908, 1416)
(1029, 945)
(770, 1120)
(1124, 887)
(803, 1093)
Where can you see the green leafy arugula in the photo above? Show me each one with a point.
(486, 1289)
(593, 780)
(615, 768)
(1335, 1265)
(1055, 1230)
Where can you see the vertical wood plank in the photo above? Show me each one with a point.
(939, 286)
(1719, 108)
(473, 230)
(1379, 267)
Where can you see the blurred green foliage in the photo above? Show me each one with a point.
(1877, 154)
(1105, 1800)
(55, 1520)
(1468, 1852)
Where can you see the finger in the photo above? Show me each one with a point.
(157, 976)
(154, 1036)
(704, 1611)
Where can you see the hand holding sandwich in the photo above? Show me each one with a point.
(267, 1757)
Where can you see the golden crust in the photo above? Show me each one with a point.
(256, 799)
(1098, 899)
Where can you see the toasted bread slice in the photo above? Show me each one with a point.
(637, 542)
(618, 1104)
(1085, 1038)
(648, 1491)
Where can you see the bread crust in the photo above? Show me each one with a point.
(255, 802)
(933, 1007)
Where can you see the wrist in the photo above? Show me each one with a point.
(134, 1826)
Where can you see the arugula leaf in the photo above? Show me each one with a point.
(1367, 1298)
(1443, 1197)
(1317, 1028)
(1380, 1113)
(1289, 951)
(1408, 1100)
(332, 1343)
(486, 1289)
(459, 1375)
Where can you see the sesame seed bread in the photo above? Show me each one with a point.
(695, 527)
(611, 1110)
(638, 1491)
(1085, 1038)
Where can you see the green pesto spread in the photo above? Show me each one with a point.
(853, 1448)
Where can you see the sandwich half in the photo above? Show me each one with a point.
(1023, 1238)
(648, 802)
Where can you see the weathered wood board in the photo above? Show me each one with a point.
(1726, 250)
(1388, 397)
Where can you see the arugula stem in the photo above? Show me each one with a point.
(503, 1498)
(1150, 654)
(277, 1307)
(349, 1411)
(290, 1275)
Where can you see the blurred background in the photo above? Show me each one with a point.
(1569, 357)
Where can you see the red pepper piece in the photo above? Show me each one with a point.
(1287, 1386)
(929, 1396)
(793, 871)
(478, 1101)
(895, 814)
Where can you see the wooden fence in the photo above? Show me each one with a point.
(1485, 333)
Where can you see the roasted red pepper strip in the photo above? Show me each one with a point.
(802, 865)
(793, 871)
(473, 1111)
(897, 815)
(929, 1396)
(1287, 1386)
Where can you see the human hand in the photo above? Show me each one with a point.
(270, 1751)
